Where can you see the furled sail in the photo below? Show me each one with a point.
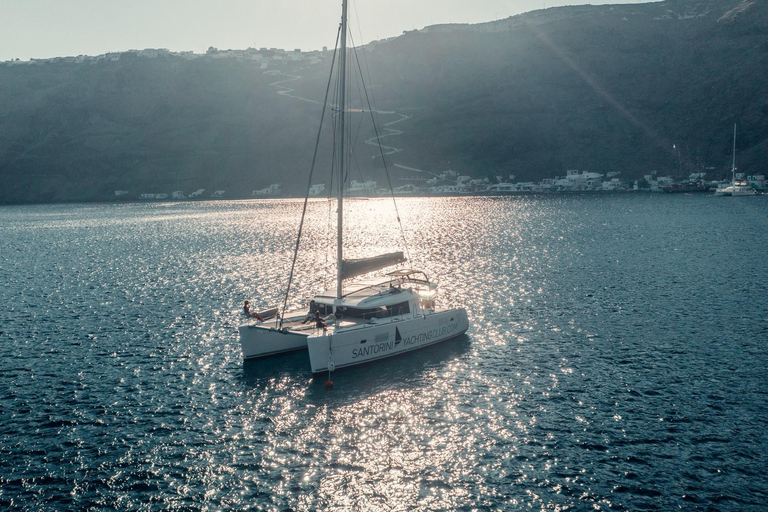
(352, 268)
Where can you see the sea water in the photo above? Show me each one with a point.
(616, 358)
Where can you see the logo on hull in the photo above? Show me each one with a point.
(408, 341)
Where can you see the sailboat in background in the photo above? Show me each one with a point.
(362, 320)
(737, 187)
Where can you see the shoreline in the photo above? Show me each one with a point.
(366, 197)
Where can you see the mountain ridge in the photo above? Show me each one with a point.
(600, 88)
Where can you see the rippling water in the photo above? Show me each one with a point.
(616, 359)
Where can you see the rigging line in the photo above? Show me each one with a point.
(335, 135)
(361, 86)
(353, 48)
(358, 168)
(309, 185)
(329, 190)
(353, 142)
(383, 160)
(358, 131)
(328, 227)
(349, 144)
(367, 67)
(331, 183)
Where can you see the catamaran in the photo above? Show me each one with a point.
(359, 320)
(737, 187)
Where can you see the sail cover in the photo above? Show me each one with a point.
(352, 268)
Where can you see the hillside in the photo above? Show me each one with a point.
(599, 88)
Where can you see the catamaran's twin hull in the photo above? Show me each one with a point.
(369, 342)
(260, 341)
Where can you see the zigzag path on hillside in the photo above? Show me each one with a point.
(373, 141)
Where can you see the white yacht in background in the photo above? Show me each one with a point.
(737, 187)
(364, 320)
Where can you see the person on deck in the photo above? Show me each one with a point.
(319, 322)
(247, 311)
(311, 312)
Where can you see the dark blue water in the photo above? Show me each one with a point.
(616, 359)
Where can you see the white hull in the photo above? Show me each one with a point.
(735, 191)
(738, 186)
(258, 340)
(385, 338)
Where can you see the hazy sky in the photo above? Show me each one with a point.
(57, 28)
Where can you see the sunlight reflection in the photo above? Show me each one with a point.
(538, 407)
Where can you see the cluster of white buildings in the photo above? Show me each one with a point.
(272, 190)
(450, 182)
(756, 181)
(573, 181)
(264, 56)
(699, 179)
(175, 195)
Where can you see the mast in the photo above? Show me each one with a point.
(342, 108)
(733, 166)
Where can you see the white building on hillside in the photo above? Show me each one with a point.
(657, 182)
(503, 187)
(613, 184)
(316, 189)
(272, 190)
(357, 187)
(757, 181)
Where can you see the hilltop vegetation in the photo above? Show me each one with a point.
(599, 88)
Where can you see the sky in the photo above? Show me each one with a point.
(58, 28)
